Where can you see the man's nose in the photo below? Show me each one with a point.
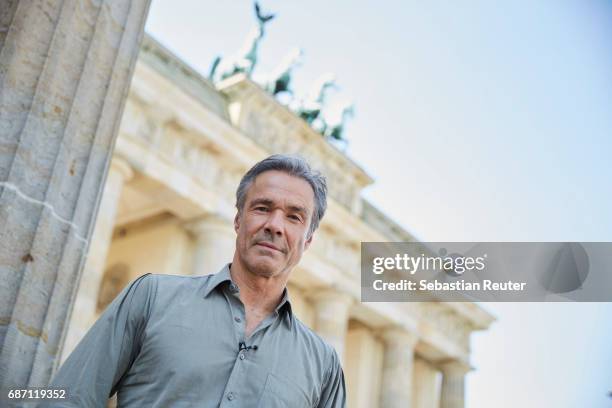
(274, 223)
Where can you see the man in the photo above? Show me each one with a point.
(223, 340)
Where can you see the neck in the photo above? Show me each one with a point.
(258, 292)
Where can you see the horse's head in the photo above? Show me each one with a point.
(294, 56)
(291, 60)
(327, 80)
(322, 85)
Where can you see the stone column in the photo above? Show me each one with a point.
(453, 384)
(424, 385)
(215, 243)
(331, 314)
(91, 278)
(396, 390)
(65, 69)
(363, 363)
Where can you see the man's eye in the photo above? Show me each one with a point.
(295, 217)
(261, 208)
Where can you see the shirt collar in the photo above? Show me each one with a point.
(285, 305)
(224, 276)
(217, 279)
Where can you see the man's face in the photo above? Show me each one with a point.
(272, 227)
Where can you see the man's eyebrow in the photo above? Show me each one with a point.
(268, 202)
(259, 201)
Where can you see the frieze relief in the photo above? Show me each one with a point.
(341, 253)
(447, 322)
(137, 123)
(175, 144)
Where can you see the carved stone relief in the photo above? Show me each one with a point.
(448, 322)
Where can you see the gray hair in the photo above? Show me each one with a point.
(295, 166)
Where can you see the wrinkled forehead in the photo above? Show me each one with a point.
(281, 188)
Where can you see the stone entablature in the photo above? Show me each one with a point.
(262, 118)
(383, 224)
(188, 79)
(259, 116)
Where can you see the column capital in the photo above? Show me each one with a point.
(209, 222)
(122, 167)
(452, 394)
(455, 367)
(330, 294)
(399, 336)
(214, 242)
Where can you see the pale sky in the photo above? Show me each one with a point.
(480, 121)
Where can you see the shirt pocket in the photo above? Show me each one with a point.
(281, 393)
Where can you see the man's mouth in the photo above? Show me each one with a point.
(269, 245)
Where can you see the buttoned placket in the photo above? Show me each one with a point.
(231, 394)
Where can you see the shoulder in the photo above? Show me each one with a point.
(151, 289)
(171, 285)
(172, 280)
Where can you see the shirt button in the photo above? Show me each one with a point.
(233, 287)
(242, 356)
(237, 319)
(230, 396)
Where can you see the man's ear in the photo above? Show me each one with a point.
(308, 241)
(237, 222)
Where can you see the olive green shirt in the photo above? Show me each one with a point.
(179, 341)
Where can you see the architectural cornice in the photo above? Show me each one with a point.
(162, 60)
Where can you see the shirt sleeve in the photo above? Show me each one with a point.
(333, 394)
(93, 371)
